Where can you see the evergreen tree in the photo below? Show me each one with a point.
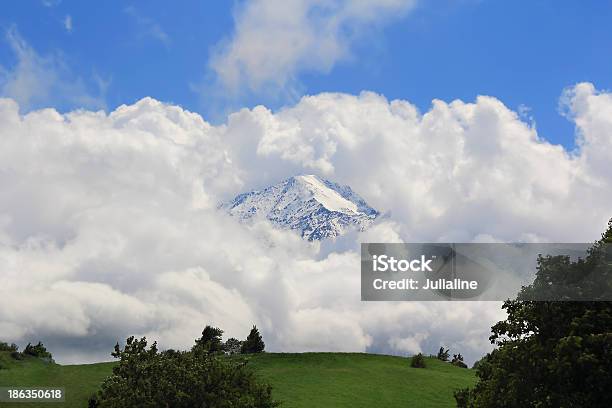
(210, 341)
(253, 343)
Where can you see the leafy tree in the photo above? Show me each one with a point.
(210, 341)
(552, 354)
(418, 361)
(147, 378)
(443, 354)
(232, 346)
(253, 343)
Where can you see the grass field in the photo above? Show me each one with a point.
(298, 380)
(80, 381)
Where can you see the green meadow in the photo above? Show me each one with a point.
(298, 379)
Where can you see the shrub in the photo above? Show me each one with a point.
(16, 355)
(418, 361)
(458, 361)
(38, 350)
(8, 347)
(463, 398)
(443, 354)
(147, 378)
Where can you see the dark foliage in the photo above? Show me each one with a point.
(8, 347)
(210, 341)
(443, 354)
(147, 378)
(232, 346)
(418, 361)
(38, 350)
(16, 355)
(253, 343)
(552, 354)
(458, 361)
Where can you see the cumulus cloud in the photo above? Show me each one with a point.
(109, 223)
(37, 81)
(274, 40)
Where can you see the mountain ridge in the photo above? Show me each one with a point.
(316, 207)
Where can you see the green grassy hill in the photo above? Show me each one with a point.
(360, 380)
(298, 380)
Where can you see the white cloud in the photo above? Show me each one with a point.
(37, 81)
(275, 40)
(51, 3)
(148, 27)
(109, 226)
(68, 23)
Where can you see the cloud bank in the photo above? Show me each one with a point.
(109, 224)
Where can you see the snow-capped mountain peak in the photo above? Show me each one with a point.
(318, 208)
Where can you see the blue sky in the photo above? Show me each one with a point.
(523, 52)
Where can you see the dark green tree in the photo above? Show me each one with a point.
(147, 378)
(552, 354)
(443, 354)
(253, 343)
(210, 341)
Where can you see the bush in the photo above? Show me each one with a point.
(443, 354)
(8, 347)
(458, 361)
(418, 361)
(147, 378)
(38, 351)
(16, 355)
(463, 398)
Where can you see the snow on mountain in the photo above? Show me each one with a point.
(316, 207)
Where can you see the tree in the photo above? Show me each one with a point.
(253, 343)
(418, 361)
(8, 347)
(147, 378)
(443, 354)
(552, 354)
(39, 351)
(210, 341)
(232, 346)
(458, 361)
